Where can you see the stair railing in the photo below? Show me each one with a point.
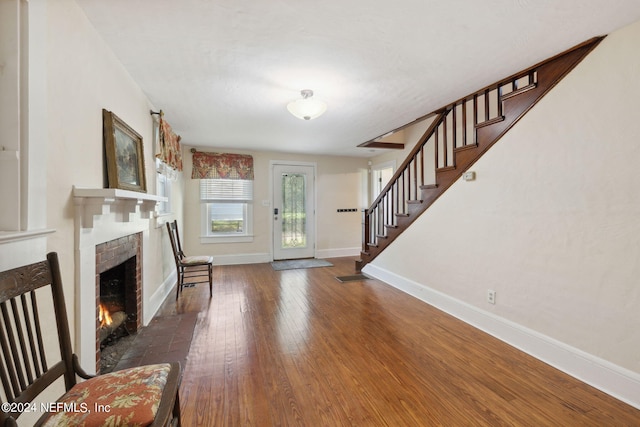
(452, 130)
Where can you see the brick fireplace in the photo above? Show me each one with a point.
(123, 256)
(112, 226)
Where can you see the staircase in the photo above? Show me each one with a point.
(459, 135)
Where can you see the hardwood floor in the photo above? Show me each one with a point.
(298, 347)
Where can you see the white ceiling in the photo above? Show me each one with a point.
(223, 71)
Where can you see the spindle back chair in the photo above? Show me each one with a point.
(29, 296)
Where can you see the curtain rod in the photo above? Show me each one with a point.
(160, 113)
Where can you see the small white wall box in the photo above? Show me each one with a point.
(469, 176)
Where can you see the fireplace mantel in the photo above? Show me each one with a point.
(122, 202)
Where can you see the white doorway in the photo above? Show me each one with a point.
(380, 176)
(293, 210)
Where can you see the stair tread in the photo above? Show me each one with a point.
(465, 147)
(429, 186)
(490, 122)
(446, 169)
(519, 91)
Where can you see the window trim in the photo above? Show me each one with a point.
(212, 238)
(161, 174)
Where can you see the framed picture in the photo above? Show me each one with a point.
(124, 154)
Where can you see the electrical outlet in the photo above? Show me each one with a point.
(491, 296)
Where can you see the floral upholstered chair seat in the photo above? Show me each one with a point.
(124, 398)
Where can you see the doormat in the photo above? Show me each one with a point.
(292, 264)
(353, 278)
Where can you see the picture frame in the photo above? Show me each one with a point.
(124, 154)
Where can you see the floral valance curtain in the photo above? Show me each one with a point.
(169, 146)
(222, 166)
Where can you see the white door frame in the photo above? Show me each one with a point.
(274, 163)
(376, 168)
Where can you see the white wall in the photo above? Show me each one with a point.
(84, 77)
(551, 223)
(338, 186)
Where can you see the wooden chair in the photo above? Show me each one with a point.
(188, 266)
(26, 368)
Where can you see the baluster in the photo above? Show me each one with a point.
(380, 229)
(372, 226)
(486, 105)
(372, 229)
(445, 142)
(455, 126)
(464, 123)
(415, 178)
(380, 219)
(383, 216)
(408, 181)
(404, 196)
(475, 110)
(386, 211)
(436, 147)
(499, 100)
(389, 208)
(422, 164)
(396, 193)
(383, 206)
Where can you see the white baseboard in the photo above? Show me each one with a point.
(234, 259)
(155, 301)
(612, 379)
(258, 258)
(337, 253)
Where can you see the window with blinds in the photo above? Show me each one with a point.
(216, 190)
(226, 207)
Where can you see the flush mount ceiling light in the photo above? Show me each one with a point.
(307, 108)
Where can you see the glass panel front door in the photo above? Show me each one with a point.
(294, 215)
(293, 211)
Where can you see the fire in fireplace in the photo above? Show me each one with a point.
(116, 312)
(110, 324)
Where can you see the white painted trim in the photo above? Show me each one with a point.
(155, 301)
(612, 379)
(236, 259)
(16, 236)
(337, 253)
(22, 248)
